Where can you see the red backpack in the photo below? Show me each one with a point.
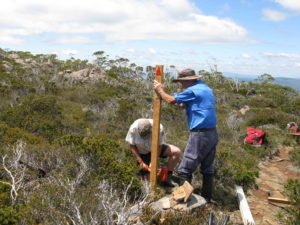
(254, 136)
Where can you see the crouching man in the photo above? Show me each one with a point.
(139, 137)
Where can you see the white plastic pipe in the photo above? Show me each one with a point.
(244, 207)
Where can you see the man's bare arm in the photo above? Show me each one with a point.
(134, 150)
(159, 88)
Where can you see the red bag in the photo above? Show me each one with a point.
(254, 136)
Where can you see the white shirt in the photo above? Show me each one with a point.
(143, 144)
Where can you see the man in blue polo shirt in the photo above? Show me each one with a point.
(199, 103)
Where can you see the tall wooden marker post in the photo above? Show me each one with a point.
(155, 128)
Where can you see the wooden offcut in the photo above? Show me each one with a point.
(155, 128)
(279, 200)
(183, 192)
(188, 189)
(178, 193)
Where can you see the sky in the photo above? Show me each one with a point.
(248, 37)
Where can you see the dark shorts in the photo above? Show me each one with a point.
(200, 150)
(147, 158)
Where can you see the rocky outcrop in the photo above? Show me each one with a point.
(88, 74)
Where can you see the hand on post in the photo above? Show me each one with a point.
(158, 87)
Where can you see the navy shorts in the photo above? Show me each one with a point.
(147, 158)
(200, 150)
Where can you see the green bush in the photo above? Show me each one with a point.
(40, 115)
(9, 136)
(103, 93)
(292, 106)
(46, 116)
(109, 159)
(292, 190)
(268, 116)
(260, 101)
(295, 156)
(9, 215)
(73, 118)
(235, 166)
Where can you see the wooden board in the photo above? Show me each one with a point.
(183, 192)
(279, 200)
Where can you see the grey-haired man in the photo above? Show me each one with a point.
(139, 137)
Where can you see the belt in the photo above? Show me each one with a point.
(202, 129)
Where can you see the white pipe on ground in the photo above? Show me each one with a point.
(244, 207)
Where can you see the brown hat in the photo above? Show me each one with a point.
(187, 74)
(144, 127)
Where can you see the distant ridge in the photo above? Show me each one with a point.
(291, 82)
(285, 81)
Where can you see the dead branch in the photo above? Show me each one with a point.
(14, 170)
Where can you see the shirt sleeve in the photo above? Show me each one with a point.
(130, 137)
(162, 134)
(185, 96)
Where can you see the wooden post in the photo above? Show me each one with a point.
(155, 128)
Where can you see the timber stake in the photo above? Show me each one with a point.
(155, 128)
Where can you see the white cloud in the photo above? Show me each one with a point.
(290, 4)
(273, 15)
(152, 51)
(297, 64)
(287, 56)
(246, 56)
(76, 39)
(130, 50)
(118, 20)
(69, 52)
(10, 39)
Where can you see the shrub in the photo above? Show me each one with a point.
(40, 115)
(292, 189)
(103, 93)
(295, 156)
(292, 106)
(260, 101)
(45, 116)
(9, 136)
(268, 116)
(111, 162)
(73, 118)
(9, 215)
(234, 166)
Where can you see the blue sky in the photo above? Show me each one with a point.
(248, 37)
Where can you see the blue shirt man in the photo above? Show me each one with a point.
(199, 103)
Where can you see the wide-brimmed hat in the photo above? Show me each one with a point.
(144, 127)
(187, 74)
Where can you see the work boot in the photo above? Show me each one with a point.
(184, 177)
(207, 186)
(168, 182)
